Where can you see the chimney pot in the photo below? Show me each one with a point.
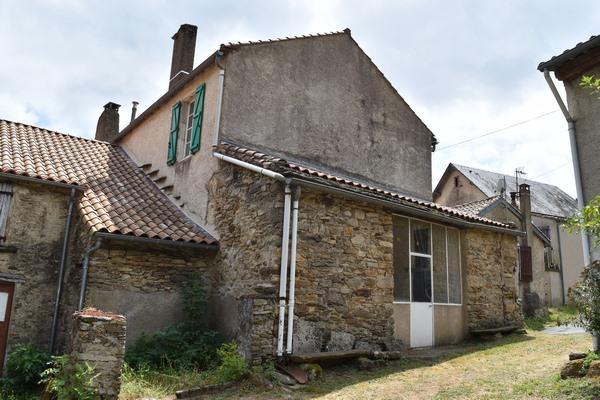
(184, 46)
(108, 123)
(525, 208)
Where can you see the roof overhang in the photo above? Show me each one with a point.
(157, 243)
(557, 61)
(41, 181)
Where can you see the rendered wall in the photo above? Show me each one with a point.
(322, 101)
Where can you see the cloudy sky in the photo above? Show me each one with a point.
(466, 67)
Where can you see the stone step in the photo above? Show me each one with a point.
(160, 179)
(146, 167)
(176, 196)
(153, 173)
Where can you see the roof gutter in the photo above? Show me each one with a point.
(413, 211)
(575, 158)
(155, 242)
(251, 167)
(41, 181)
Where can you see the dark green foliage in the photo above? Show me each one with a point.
(586, 296)
(176, 347)
(24, 367)
(233, 367)
(69, 380)
(195, 303)
(184, 346)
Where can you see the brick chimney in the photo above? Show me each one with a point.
(525, 208)
(184, 45)
(108, 123)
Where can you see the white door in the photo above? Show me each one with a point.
(421, 324)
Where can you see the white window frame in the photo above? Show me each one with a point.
(188, 128)
(430, 256)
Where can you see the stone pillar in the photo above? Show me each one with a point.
(99, 340)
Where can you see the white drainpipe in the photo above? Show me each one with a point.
(575, 158)
(285, 244)
(285, 239)
(292, 291)
(219, 104)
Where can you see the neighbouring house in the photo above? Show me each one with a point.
(289, 174)
(582, 114)
(539, 209)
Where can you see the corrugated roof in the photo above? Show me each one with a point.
(282, 166)
(545, 199)
(118, 197)
(569, 54)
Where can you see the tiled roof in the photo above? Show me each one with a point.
(118, 197)
(545, 198)
(284, 167)
(569, 54)
(477, 207)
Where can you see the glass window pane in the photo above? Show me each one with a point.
(454, 266)
(440, 287)
(401, 261)
(420, 242)
(421, 279)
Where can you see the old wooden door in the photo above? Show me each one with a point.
(6, 296)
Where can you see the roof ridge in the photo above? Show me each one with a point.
(477, 201)
(503, 174)
(57, 132)
(287, 38)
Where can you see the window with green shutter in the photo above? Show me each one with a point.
(172, 151)
(197, 121)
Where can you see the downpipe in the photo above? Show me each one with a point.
(292, 290)
(585, 244)
(61, 271)
(84, 272)
(285, 238)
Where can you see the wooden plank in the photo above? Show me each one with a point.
(491, 331)
(328, 356)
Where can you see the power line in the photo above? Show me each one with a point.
(552, 170)
(497, 130)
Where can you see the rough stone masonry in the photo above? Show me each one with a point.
(99, 339)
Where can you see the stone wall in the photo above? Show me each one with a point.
(344, 279)
(489, 267)
(99, 339)
(247, 209)
(144, 285)
(30, 258)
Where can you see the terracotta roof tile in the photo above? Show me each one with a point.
(118, 197)
(283, 166)
(475, 207)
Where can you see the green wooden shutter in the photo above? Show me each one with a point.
(172, 151)
(197, 121)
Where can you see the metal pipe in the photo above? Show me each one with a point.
(133, 110)
(575, 158)
(218, 56)
(560, 258)
(251, 167)
(84, 272)
(61, 270)
(292, 290)
(285, 239)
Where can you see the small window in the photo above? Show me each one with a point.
(426, 262)
(456, 181)
(189, 125)
(5, 198)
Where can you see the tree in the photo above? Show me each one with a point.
(586, 294)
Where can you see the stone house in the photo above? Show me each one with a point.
(292, 177)
(582, 116)
(557, 259)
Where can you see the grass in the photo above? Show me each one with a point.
(513, 368)
(556, 317)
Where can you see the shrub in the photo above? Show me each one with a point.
(69, 380)
(586, 296)
(176, 347)
(24, 367)
(233, 366)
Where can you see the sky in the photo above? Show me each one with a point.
(466, 67)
